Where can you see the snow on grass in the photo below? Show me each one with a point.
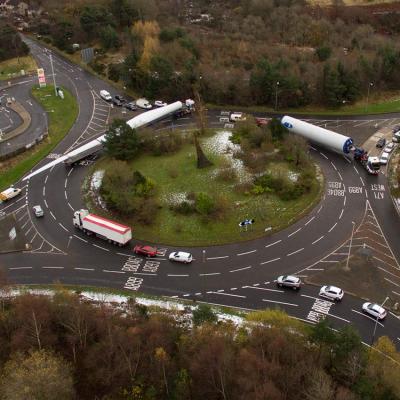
(95, 185)
(175, 198)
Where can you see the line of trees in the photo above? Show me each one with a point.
(11, 44)
(65, 348)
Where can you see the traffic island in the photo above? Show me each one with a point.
(11, 236)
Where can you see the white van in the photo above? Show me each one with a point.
(237, 116)
(143, 103)
(9, 193)
(396, 137)
(105, 95)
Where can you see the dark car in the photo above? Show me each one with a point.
(117, 102)
(381, 143)
(120, 98)
(130, 106)
(147, 251)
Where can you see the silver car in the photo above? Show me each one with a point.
(374, 310)
(331, 293)
(38, 211)
(181, 256)
(291, 281)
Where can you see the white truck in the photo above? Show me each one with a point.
(9, 193)
(103, 228)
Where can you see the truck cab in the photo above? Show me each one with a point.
(373, 165)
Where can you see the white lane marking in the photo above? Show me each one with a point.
(319, 210)
(315, 269)
(84, 269)
(269, 261)
(70, 172)
(272, 244)
(315, 241)
(53, 267)
(323, 155)
(114, 272)
(125, 255)
(20, 268)
(334, 166)
(228, 294)
(52, 215)
(247, 252)
(356, 170)
(144, 273)
(340, 176)
(260, 288)
(333, 227)
(294, 252)
(62, 226)
(65, 183)
(45, 203)
(102, 248)
(44, 191)
(240, 269)
(69, 205)
(367, 316)
(233, 288)
(341, 213)
(45, 179)
(293, 233)
(65, 194)
(198, 294)
(216, 258)
(344, 202)
(83, 240)
(309, 221)
(361, 179)
(280, 302)
(214, 273)
(177, 274)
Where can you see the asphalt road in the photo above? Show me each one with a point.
(238, 275)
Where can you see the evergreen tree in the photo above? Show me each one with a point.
(122, 142)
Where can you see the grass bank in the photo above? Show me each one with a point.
(176, 175)
(62, 114)
(12, 67)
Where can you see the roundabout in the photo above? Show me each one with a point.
(236, 275)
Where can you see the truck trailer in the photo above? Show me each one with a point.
(333, 141)
(103, 228)
(75, 158)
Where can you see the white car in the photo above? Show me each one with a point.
(159, 103)
(389, 147)
(374, 310)
(38, 211)
(331, 293)
(105, 95)
(9, 193)
(143, 103)
(291, 281)
(384, 158)
(181, 256)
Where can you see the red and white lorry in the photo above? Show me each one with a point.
(103, 228)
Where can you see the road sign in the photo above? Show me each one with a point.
(87, 55)
(41, 77)
(247, 222)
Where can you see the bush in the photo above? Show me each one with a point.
(205, 205)
(204, 313)
(323, 53)
(114, 72)
(97, 67)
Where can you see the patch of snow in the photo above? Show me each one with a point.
(293, 176)
(176, 198)
(97, 179)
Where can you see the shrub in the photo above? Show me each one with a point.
(323, 53)
(227, 174)
(203, 313)
(185, 207)
(114, 72)
(205, 205)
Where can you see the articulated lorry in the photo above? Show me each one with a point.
(103, 228)
(74, 158)
(334, 141)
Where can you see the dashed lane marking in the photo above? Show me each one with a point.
(295, 252)
(228, 294)
(309, 221)
(293, 233)
(177, 275)
(102, 248)
(280, 302)
(12, 268)
(247, 252)
(113, 272)
(69, 205)
(216, 258)
(260, 288)
(144, 273)
(316, 241)
(341, 213)
(84, 269)
(213, 273)
(53, 267)
(272, 244)
(333, 227)
(367, 316)
(83, 240)
(51, 213)
(62, 226)
(270, 261)
(125, 255)
(241, 269)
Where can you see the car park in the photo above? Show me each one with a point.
(384, 158)
(105, 95)
(148, 251)
(389, 147)
(117, 102)
(130, 106)
(159, 103)
(181, 256)
(396, 129)
(374, 310)
(396, 137)
(291, 281)
(38, 211)
(120, 98)
(331, 292)
(381, 143)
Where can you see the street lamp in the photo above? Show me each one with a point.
(369, 87)
(376, 321)
(276, 96)
(351, 242)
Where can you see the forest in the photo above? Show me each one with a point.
(273, 53)
(62, 347)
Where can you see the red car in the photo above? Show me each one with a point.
(262, 121)
(147, 251)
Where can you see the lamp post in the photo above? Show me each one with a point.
(369, 87)
(276, 95)
(351, 243)
(54, 76)
(376, 322)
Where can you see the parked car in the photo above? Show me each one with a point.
(38, 211)
(144, 103)
(9, 193)
(396, 129)
(181, 256)
(389, 147)
(396, 137)
(384, 158)
(130, 106)
(381, 143)
(105, 95)
(331, 293)
(159, 103)
(120, 98)
(117, 102)
(262, 121)
(291, 281)
(375, 310)
(147, 251)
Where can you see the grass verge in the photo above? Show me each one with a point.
(15, 65)
(62, 114)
